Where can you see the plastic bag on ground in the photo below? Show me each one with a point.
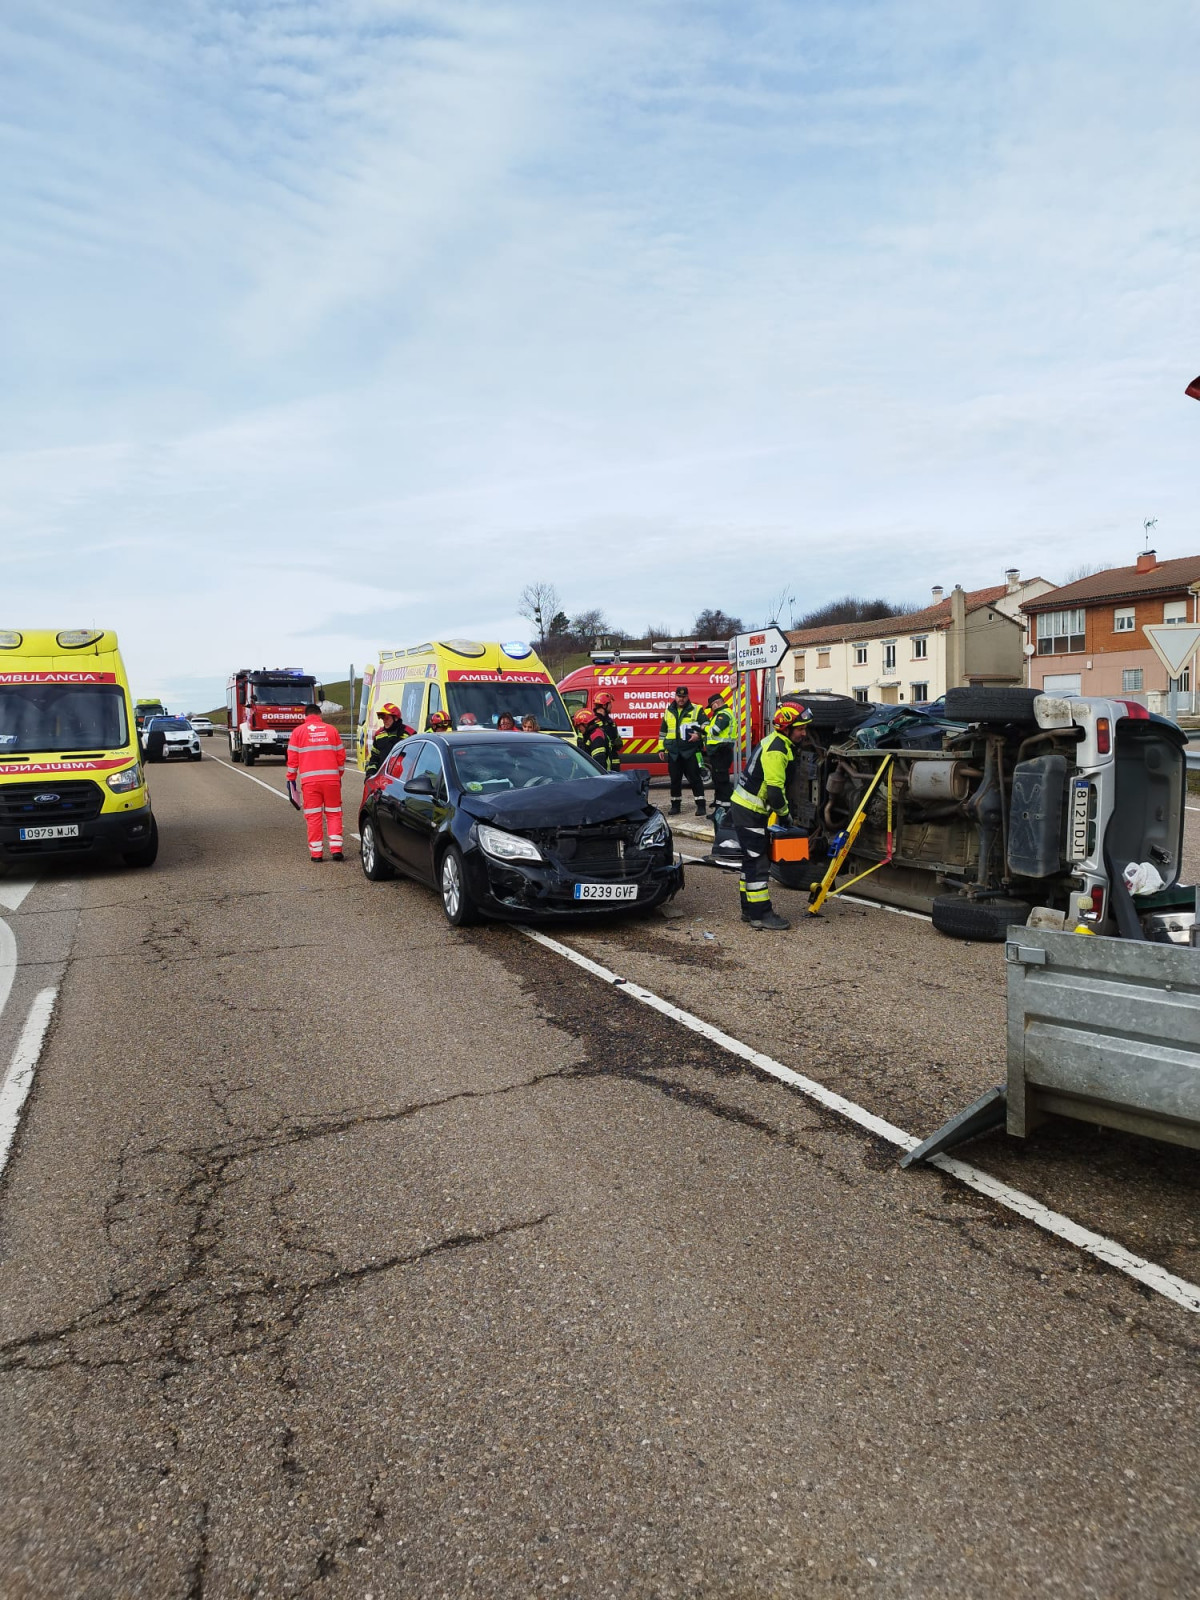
(1142, 877)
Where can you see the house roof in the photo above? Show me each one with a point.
(1120, 583)
(929, 620)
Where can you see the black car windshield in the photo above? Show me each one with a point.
(294, 693)
(59, 718)
(494, 765)
(484, 703)
(168, 725)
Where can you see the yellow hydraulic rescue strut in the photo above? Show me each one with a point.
(843, 843)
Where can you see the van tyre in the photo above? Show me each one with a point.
(984, 921)
(831, 710)
(461, 911)
(145, 854)
(249, 756)
(1011, 704)
(234, 753)
(374, 866)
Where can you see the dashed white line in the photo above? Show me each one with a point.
(8, 962)
(1154, 1277)
(19, 1078)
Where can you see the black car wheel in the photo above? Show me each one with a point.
(1007, 703)
(457, 903)
(145, 854)
(985, 921)
(249, 756)
(374, 866)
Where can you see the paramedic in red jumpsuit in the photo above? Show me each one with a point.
(317, 757)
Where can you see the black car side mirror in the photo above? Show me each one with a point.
(421, 784)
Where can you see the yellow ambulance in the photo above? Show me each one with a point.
(473, 683)
(71, 777)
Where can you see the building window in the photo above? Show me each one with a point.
(920, 649)
(798, 667)
(1131, 680)
(862, 696)
(1060, 633)
(860, 655)
(1174, 610)
(1123, 620)
(889, 655)
(919, 691)
(822, 658)
(1182, 684)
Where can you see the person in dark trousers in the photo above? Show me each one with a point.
(763, 789)
(602, 705)
(589, 735)
(391, 731)
(720, 736)
(680, 734)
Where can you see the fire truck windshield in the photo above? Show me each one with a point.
(61, 718)
(482, 703)
(294, 693)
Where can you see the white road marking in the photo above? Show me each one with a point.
(242, 773)
(14, 890)
(19, 1079)
(1191, 808)
(1154, 1277)
(8, 963)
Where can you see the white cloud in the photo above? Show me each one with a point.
(378, 311)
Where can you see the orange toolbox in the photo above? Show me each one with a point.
(789, 844)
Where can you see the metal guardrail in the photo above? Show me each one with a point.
(1103, 1030)
(1193, 760)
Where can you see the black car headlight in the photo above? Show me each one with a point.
(123, 782)
(656, 833)
(502, 846)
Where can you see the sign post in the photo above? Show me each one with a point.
(760, 651)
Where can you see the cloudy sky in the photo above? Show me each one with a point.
(326, 326)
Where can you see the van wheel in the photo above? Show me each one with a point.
(249, 757)
(985, 921)
(457, 903)
(374, 866)
(145, 854)
(1005, 703)
(234, 753)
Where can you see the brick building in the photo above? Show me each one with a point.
(1089, 636)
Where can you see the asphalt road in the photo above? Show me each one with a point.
(342, 1254)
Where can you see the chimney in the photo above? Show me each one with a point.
(1012, 579)
(938, 594)
(1147, 561)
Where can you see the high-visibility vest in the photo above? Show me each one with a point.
(721, 727)
(767, 771)
(677, 722)
(315, 750)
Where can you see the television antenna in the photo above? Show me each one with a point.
(1148, 526)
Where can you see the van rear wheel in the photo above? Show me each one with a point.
(145, 854)
(984, 921)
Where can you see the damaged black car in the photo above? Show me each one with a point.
(521, 826)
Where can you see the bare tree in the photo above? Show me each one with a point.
(538, 604)
(1084, 569)
(850, 608)
(589, 625)
(716, 625)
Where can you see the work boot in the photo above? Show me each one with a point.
(317, 861)
(700, 808)
(771, 921)
(676, 807)
(337, 856)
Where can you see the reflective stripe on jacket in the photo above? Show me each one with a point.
(676, 723)
(315, 750)
(764, 783)
(612, 743)
(720, 727)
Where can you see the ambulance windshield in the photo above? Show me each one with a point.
(483, 704)
(61, 718)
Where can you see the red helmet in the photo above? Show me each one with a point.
(439, 722)
(604, 701)
(583, 718)
(792, 716)
(468, 720)
(389, 710)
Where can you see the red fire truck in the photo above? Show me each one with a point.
(642, 683)
(264, 706)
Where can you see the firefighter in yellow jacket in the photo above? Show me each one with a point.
(763, 789)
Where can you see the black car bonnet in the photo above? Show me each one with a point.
(559, 805)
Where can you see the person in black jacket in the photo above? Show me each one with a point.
(391, 731)
(602, 705)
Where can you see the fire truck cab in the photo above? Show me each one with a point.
(264, 706)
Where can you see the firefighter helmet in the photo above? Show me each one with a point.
(389, 710)
(583, 718)
(791, 717)
(604, 700)
(439, 722)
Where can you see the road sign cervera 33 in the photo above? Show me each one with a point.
(764, 648)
